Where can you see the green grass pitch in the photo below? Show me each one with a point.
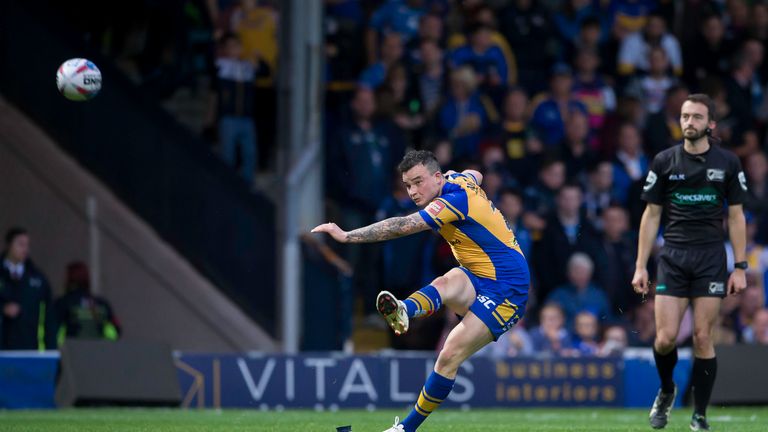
(743, 419)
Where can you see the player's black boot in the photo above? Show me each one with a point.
(661, 407)
(699, 423)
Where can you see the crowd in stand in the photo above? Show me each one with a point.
(561, 104)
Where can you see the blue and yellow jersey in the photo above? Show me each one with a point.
(477, 232)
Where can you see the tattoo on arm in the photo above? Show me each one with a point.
(388, 229)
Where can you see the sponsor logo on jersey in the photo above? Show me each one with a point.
(706, 196)
(716, 287)
(650, 181)
(677, 177)
(742, 181)
(435, 207)
(715, 175)
(681, 198)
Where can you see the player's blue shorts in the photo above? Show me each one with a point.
(499, 304)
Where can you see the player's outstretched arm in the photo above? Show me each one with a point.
(384, 230)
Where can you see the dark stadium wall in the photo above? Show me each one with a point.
(156, 293)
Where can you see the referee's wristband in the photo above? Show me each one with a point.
(743, 265)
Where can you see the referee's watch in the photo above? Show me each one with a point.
(741, 265)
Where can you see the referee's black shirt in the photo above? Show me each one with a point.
(693, 190)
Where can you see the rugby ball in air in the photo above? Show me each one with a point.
(78, 79)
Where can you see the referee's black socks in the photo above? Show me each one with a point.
(665, 365)
(703, 379)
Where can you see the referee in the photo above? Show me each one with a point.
(693, 181)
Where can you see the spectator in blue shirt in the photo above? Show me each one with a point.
(568, 20)
(580, 294)
(631, 15)
(586, 333)
(391, 53)
(394, 16)
(550, 114)
(430, 29)
(551, 337)
(487, 59)
(630, 164)
(633, 53)
(464, 114)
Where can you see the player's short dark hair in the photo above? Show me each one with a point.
(704, 100)
(14, 232)
(419, 157)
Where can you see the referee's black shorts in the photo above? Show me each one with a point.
(694, 271)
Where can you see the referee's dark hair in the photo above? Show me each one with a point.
(12, 233)
(704, 100)
(416, 157)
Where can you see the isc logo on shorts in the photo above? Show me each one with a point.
(488, 303)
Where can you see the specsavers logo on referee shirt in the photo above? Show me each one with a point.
(704, 196)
